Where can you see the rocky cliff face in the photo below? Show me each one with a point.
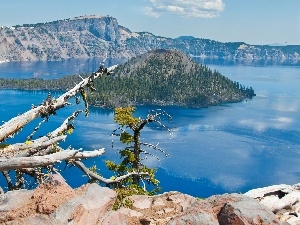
(96, 36)
(83, 37)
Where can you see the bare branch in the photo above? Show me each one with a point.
(34, 146)
(62, 128)
(51, 105)
(35, 161)
(89, 173)
(24, 149)
(155, 147)
(33, 172)
(148, 153)
(35, 129)
(8, 180)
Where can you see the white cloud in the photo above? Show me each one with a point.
(276, 122)
(150, 12)
(287, 106)
(175, 9)
(186, 8)
(229, 182)
(92, 124)
(283, 119)
(197, 127)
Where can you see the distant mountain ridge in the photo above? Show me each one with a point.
(100, 36)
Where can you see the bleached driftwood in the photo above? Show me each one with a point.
(46, 160)
(24, 149)
(34, 146)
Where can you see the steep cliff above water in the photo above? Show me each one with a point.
(96, 36)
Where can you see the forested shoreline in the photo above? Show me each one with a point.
(160, 77)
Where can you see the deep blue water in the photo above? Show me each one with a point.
(227, 148)
(52, 70)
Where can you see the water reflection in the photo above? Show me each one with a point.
(53, 69)
(226, 148)
(247, 62)
(57, 69)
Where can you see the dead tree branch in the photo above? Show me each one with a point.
(92, 175)
(32, 147)
(27, 149)
(46, 160)
(14, 125)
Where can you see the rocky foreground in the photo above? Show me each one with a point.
(57, 203)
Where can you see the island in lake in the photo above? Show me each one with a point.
(158, 77)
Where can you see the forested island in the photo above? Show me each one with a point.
(159, 77)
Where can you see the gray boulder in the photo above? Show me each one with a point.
(283, 200)
(86, 208)
(240, 210)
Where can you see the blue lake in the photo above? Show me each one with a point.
(227, 148)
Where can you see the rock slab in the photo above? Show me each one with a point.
(283, 200)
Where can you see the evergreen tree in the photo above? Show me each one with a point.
(130, 134)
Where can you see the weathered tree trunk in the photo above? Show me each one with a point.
(46, 160)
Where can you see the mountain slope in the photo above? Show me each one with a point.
(96, 36)
(167, 77)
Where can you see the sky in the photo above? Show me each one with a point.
(251, 21)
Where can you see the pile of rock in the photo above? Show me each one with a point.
(283, 200)
(57, 203)
(174, 208)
